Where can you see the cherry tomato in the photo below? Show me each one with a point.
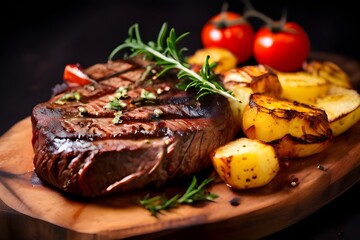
(74, 76)
(237, 37)
(284, 50)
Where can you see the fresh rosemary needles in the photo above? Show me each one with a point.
(166, 54)
(194, 193)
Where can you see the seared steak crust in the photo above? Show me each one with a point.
(80, 150)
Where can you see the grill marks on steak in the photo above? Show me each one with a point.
(88, 155)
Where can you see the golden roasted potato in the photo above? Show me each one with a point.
(260, 78)
(247, 80)
(342, 106)
(302, 87)
(224, 59)
(294, 129)
(328, 71)
(246, 163)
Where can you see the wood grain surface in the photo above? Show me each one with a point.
(30, 208)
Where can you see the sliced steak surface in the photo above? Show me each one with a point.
(87, 145)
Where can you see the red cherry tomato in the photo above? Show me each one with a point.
(238, 38)
(284, 50)
(74, 76)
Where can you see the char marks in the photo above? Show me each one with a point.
(79, 149)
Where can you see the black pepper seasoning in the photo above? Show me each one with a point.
(321, 167)
(294, 181)
(235, 201)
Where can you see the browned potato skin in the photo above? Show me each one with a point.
(259, 78)
(247, 80)
(246, 163)
(342, 106)
(330, 71)
(294, 129)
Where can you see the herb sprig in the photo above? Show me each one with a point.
(193, 194)
(166, 54)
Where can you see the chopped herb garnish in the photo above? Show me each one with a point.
(82, 110)
(158, 112)
(166, 54)
(194, 193)
(90, 87)
(72, 96)
(147, 95)
(117, 117)
(121, 92)
(115, 104)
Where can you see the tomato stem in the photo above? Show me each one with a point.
(223, 11)
(224, 22)
(274, 26)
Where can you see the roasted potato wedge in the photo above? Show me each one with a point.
(329, 71)
(302, 87)
(246, 163)
(294, 129)
(224, 59)
(260, 78)
(247, 80)
(342, 106)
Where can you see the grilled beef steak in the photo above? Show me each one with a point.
(126, 131)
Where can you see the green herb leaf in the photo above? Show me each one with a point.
(117, 118)
(193, 194)
(145, 97)
(82, 111)
(121, 92)
(166, 54)
(115, 104)
(71, 96)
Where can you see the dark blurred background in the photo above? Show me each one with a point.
(37, 39)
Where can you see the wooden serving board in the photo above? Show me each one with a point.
(29, 208)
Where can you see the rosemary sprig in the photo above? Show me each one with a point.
(193, 194)
(166, 54)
